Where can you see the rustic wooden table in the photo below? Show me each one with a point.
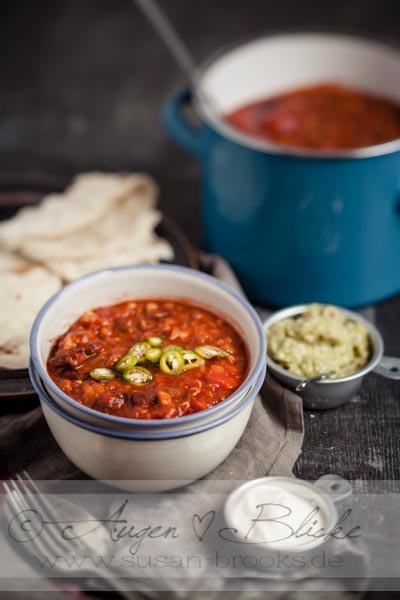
(82, 84)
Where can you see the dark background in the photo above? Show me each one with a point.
(81, 84)
(82, 81)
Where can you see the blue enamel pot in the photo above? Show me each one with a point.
(297, 225)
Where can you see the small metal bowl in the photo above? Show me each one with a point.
(330, 393)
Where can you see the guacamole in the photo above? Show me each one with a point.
(320, 340)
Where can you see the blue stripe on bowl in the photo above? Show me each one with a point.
(158, 423)
(146, 436)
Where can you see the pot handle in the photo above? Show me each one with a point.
(389, 367)
(188, 136)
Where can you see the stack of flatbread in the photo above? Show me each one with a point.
(101, 220)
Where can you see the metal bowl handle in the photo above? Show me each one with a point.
(334, 486)
(389, 367)
(305, 382)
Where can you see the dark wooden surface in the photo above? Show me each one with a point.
(81, 86)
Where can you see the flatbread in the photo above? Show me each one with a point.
(132, 224)
(156, 250)
(90, 197)
(11, 262)
(21, 297)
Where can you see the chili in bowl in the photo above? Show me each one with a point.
(143, 460)
(114, 360)
(151, 347)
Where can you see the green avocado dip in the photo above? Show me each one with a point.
(320, 340)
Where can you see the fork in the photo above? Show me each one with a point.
(49, 543)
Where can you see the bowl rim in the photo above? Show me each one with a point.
(224, 128)
(233, 497)
(147, 436)
(250, 380)
(298, 309)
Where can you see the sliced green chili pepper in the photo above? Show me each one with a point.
(102, 374)
(192, 359)
(155, 341)
(137, 376)
(126, 362)
(139, 350)
(172, 347)
(153, 354)
(172, 362)
(211, 351)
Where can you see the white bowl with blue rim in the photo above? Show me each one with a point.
(146, 461)
(150, 281)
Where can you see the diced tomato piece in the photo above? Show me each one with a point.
(219, 376)
(92, 389)
(164, 398)
(198, 404)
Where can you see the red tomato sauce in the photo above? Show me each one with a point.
(326, 116)
(103, 335)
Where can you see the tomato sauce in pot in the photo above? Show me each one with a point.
(149, 359)
(326, 116)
